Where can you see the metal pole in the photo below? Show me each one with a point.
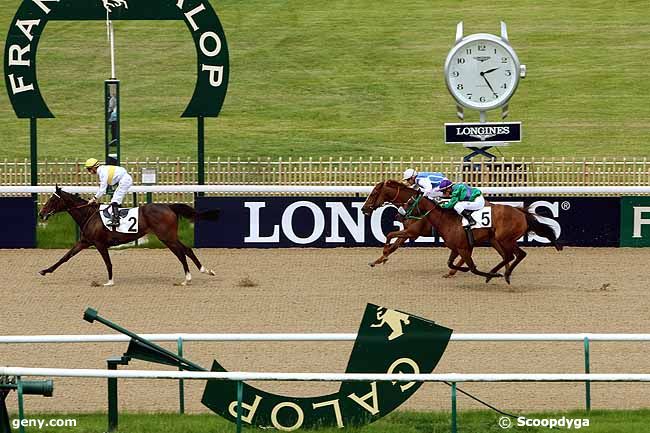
(33, 155)
(111, 40)
(454, 427)
(21, 408)
(587, 383)
(181, 388)
(240, 397)
(201, 151)
(112, 399)
(91, 315)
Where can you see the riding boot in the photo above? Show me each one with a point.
(468, 215)
(115, 217)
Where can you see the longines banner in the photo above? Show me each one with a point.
(268, 222)
(19, 227)
(388, 341)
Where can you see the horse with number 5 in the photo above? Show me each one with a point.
(508, 225)
(159, 219)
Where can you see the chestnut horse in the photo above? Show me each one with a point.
(508, 224)
(160, 219)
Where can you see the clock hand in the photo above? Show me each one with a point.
(489, 70)
(488, 83)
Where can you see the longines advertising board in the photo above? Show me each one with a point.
(268, 222)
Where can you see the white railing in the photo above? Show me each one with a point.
(310, 189)
(323, 377)
(114, 338)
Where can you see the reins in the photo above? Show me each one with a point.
(416, 205)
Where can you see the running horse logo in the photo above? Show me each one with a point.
(393, 319)
(110, 4)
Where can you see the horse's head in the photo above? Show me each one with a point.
(58, 202)
(390, 191)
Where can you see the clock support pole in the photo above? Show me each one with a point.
(476, 151)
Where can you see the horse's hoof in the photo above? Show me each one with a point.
(487, 279)
(507, 278)
(43, 272)
(371, 264)
(109, 283)
(207, 271)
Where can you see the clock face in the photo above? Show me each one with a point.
(482, 73)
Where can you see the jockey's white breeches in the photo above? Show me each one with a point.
(477, 204)
(122, 188)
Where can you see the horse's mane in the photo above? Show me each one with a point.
(74, 197)
(395, 184)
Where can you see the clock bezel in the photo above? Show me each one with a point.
(482, 106)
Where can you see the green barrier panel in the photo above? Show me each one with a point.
(635, 221)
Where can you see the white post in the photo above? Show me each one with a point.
(111, 40)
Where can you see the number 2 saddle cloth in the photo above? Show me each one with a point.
(128, 218)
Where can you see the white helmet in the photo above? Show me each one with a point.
(409, 173)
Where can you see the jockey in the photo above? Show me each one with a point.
(464, 199)
(426, 182)
(110, 175)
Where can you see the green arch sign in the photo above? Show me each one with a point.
(33, 15)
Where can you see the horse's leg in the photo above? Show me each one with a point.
(389, 248)
(520, 255)
(450, 262)
(189, 253)
(466, 254)
(103, 250)
(81, 245)
(179, 251)
(505, 258)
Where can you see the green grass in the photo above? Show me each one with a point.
(344, 78)
(637, 421)
(59, 231)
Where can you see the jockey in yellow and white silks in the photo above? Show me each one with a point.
(463, 198)
(110, 175)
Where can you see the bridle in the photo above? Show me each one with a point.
(50, 213)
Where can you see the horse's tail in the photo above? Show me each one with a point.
(542, 229)
(185, 211)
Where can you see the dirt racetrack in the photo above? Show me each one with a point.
(326, 290)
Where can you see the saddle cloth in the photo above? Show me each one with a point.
(483, 218)
(128, 218)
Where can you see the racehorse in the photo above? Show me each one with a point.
(160, 219)
(508, 224)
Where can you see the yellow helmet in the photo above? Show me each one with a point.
(91, 162)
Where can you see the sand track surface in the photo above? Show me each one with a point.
(326, 290)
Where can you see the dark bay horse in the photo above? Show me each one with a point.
(508, 225)
(159, 219)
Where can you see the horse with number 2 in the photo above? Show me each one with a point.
(508, 225)
(159, 219)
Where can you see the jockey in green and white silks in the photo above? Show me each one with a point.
(463, 198)
(110, 175)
